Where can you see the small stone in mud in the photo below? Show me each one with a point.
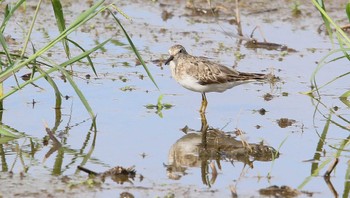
(257, 126)
(284, 93)
(268, 97)
(335, 108)
(166, 15)
(262, 111)
(88, 76)
(285, 122)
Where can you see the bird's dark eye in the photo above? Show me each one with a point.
(181, 51)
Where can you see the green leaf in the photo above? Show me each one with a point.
(134, 49)
(30, 30)
(88, 57)
(159, 103)
(347, 9)
(321, 8)
(81, 19)
(4, 130)
(61, 24)
(345, 95)
(68, 62)
(5, 48)
(9, 12)
(6, 139)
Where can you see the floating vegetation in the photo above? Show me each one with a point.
(282, 191)
(128, 88)
(159, 106)
(285, 122)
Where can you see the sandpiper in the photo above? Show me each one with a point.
(201, 75)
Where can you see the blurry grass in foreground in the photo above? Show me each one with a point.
(14, 62)
(329, 114)
(334, 31)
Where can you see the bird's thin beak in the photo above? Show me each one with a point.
(169, 59)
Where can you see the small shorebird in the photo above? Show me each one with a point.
(201, 75)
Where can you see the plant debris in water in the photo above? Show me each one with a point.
(285, 122)
(254, 44)
(276, 191)
(128, 88)
(118, 174)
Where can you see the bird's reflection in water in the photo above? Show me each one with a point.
(202, 149)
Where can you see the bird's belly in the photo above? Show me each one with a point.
(192, 84)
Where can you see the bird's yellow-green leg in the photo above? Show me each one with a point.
(204, 103)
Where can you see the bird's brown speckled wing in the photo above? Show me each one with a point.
(208, 72)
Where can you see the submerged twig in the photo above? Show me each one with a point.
(326, 177)
(261, 32)
(233, 191)
(331, 168)
(214, 172)
(238, 20)
(118, 174)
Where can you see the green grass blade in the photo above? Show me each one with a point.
(320, 144)
(347, 182)
(81, 19)
(4, 130)
(66, 63)
(75, 87)
(334, 79)
(320, 65)
(30, 29)
(121, 12)
(88, 57)
(8, 14)
(61, 23)
(134, 49)
(78, 92)
(5, 48)
(49, 80)
(85, 16)
(341, 45)
(327, 19)
(316, 172)
(275, 155)
(6, 139)
(347, 9)
(54, 86)
(159, 102)
(345, 95)
(73, 84)
(7, 11)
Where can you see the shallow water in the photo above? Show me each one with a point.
(127, 129)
